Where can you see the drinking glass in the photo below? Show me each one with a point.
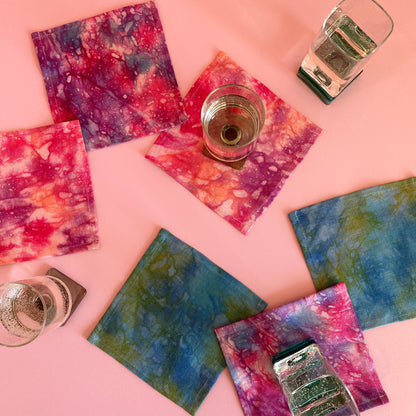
(232, 118)
(350, 35)
(309, 383)
(30, 307)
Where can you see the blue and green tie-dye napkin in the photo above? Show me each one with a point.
(161, 323)
(366, 239)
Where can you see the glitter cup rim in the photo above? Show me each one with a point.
(22, 284)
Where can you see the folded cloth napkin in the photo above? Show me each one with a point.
(161, 323)
(366, 239)
(113, 73)
(328, 317)
(239, 196)
(46, 198)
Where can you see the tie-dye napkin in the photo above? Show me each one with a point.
(113, 73)
(46, 197)
(328, 317)
(366, 239)
(161, 324)
(239, 196)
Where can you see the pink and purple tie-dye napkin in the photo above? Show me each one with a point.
(113, 73)
(329, 318)
(46, 197)
(239, 196)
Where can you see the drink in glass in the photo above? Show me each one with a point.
(352, 32)
(232, 118)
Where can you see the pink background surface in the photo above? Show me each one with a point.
(368, 138)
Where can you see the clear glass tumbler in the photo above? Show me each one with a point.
(351, 33)
(232, 118)
(31, 307)
(309, 383)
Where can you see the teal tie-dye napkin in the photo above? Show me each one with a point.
(161, 323)
(366, 239)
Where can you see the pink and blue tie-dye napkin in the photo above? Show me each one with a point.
(46, 198)
(161, 323)
(327, 317)
(113, 73)
(238, 196)
(366, 239)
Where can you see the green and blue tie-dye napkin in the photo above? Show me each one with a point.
(161, 323)
(366, 239)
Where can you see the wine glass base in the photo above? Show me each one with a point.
(238, 164)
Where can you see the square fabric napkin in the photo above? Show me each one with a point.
(328, 317)
(46, 197)
(239, 196)
(113, 73)
(161, 323)
(366, 239)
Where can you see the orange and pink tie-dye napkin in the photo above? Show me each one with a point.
(46, 198)
(239, 196)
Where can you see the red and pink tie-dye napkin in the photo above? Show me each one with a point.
(239, 196)
(113, 73)
(46, 197)
(327, 317)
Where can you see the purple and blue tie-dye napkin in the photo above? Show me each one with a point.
(366, 239)
(328, 317)
(113, 73)
(161, 323)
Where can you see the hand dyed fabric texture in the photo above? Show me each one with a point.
(161, 324)
(46, 197)
(239, 196)
(366, 239)
(113, 73)
(328, 317)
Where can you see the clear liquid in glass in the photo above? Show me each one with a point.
(338, 55)
(232, 124)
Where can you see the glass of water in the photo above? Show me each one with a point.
(31, 307)
(351, 33)
(232, 118)
(309, 383)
